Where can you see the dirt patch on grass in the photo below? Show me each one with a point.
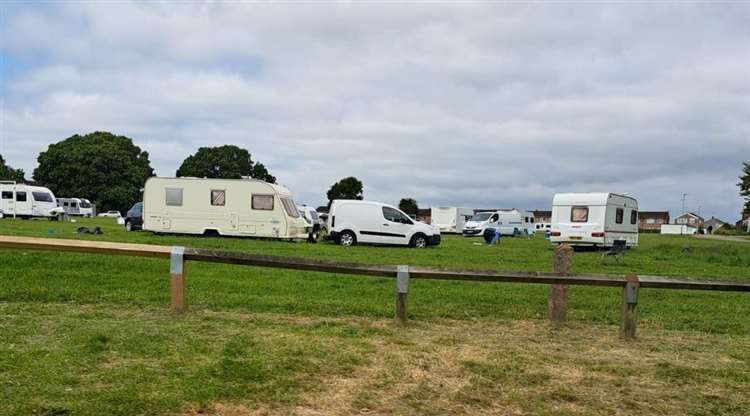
(524, 367)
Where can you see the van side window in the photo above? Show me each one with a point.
(218, 197)
(7, 195)
(633, 216)
(174, 197)
(618, 215)
(494, 218)
(393, 215)
(579, 214)
(262, 202)
(21, 196)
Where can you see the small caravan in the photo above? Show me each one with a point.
(233, 207)
(450, 219)
(507, 222)
(27, 201)
(594, 219)
(351, 222)
(76, 206)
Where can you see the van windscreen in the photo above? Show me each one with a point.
(482, 216)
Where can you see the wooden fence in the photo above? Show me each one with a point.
(559, 279)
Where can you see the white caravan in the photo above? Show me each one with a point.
(450, 219)
(76, 206)
(594, 219)
(235, 207)
(508, 222)
(26, 201)
(351, 222)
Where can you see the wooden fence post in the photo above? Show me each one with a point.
(628, 315)
(558, 296)
(177, 279)
(402, 287)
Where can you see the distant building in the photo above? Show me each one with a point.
(424, 215)
(713, 225)
(541, 216)
(652, 220)
(690, 219)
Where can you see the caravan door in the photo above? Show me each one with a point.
(23, 201)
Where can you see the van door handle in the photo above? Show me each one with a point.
(386, 225)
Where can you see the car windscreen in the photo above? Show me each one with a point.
(482, 216)
(42, 197)
(290, 208)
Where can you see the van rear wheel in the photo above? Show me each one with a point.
(347, 238)
(418, 241)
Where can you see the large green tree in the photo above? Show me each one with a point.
(744, 185)
(7, 173)
(226, 162)
(107, 169)
(347, 188)
(408, 205)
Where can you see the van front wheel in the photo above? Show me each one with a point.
(418, 241)
(347, 238)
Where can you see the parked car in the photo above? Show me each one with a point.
(134, 217)
(110, 214)
(351, 222)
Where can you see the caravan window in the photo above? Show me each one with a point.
(21, 196)
(66, 204)
(618, 215)
(262, 202)
(633, 216)
(7, 195)
(218, 198)
(290, 208)
(174, 197)
(85, 203)
(42, 196)
(579, 214)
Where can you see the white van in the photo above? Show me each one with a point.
(450, 219)
(76, 206)
(236, 207)
(594, 219)
(26, 201)
(508, 222)
(352, 221)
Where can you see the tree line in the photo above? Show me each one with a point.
(110, 170)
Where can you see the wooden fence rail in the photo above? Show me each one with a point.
(559, 279)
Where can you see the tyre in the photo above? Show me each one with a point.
(347, 238)
(418, 241)
(128, 226)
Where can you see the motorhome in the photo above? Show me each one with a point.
(233, 207)
(507, 222)
(76, 206)
(351, 222)
(450, 219)
(27, 201)
(594, 219)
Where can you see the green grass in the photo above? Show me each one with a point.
(91, 334)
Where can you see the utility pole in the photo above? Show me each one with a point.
(684, 196)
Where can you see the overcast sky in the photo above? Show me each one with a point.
(483, 105)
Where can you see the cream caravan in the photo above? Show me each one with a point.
(594, 219)
(234, 207)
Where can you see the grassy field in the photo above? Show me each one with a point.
(85, 334)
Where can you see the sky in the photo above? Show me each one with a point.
(473, 104)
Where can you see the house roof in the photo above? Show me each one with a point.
(654, 214)
(690, 214)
